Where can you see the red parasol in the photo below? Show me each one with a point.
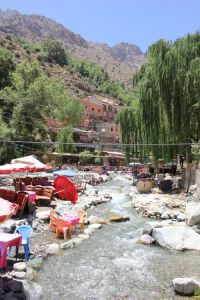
(7, 209)
(65, 189)
(11, 168)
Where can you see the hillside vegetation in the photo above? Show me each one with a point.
(120, 61)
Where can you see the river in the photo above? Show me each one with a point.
(111, 265)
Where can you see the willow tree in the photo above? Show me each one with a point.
(169, 95)
(127, 119)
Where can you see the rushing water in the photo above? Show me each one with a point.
(111, 265)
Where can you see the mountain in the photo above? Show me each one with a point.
(120, 61)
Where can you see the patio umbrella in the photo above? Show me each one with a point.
(67, 173)
(7, 209)
(65, 189)
(13, 168)
(34, 164)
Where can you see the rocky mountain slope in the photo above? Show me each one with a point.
(120, 61)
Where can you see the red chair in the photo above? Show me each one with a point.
(52, 219)
(61, 228)
(21, 200)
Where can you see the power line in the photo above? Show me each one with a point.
(101, 144)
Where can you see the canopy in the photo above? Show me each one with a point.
(12, 168)
(7, 209)
(67, 173)
(65, 189)
(32, 162)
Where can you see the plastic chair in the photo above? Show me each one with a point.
(25, 231)
(52, 219)
(61, 227)
(82, 214)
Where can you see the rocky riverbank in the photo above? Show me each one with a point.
(44, 243)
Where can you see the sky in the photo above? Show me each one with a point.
(140, 22)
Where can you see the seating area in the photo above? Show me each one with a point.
(20, 198)
(42, 193)
(64, 224)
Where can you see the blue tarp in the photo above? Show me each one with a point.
(67, 173)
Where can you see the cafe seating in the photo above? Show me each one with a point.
(62, 227)
(82, 214)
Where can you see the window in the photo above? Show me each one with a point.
(111, 129)
(99, 110)
(116, 129)
(93, 108)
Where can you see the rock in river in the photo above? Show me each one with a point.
(146, 239)
(177, 237)
(194, 218)
(117, 217)
(185, 286)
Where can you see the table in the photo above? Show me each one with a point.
(73, 220)
(8, 240)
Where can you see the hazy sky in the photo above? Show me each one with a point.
(140, 22)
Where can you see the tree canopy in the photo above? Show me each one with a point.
(169, 97)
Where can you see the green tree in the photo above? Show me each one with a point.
(55, 52)
(6, 67)
(65, 140)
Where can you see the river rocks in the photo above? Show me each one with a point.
(165, 216)
(36, 263)
(149, 226)
(21, 266)
(177, 237)
(193, 190)
(84, 236)
(43, 215)
(146, 239)
(77, 241)
(117, 217)
(88, 231)
(185, 286)
(94, 226)
(31, 274)
(194, 218)
(67, 245)
(96, 220)
(19, 275)
(181, 217)
(53, 249)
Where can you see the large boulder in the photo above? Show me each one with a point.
(194, 217)
(185, 286)
(149, 226)
(177, 237)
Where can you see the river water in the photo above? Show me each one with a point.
(111, 265)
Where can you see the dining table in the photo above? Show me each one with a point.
(73, 220)
(8, 240)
